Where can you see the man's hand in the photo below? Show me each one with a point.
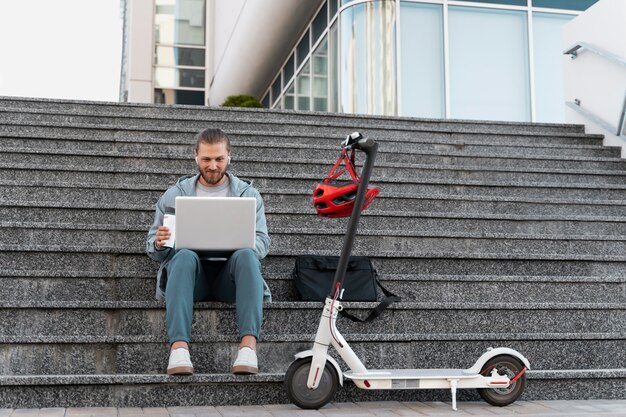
(162, 234)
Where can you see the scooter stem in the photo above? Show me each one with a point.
(370, 148)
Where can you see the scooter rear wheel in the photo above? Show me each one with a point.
(506, 365)
(297, 390)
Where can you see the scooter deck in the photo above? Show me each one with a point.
(412, 374)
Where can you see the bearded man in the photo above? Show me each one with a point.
(184, 277)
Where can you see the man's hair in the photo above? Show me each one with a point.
(212, 136)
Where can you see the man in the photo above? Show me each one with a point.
(184, 278)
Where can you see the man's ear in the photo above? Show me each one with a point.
(229, 159)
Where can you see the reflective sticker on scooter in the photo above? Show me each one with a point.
(405, 383)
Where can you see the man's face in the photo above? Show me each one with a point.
(212, 163)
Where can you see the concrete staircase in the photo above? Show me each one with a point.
(494, 234)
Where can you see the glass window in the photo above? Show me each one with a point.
(333, 9)
(319, 74)
(368, 64)
(173, 56)
(266, 101)
(303, 49)
(171, 96)
(565, 4)
(422, 65)
(303, 88)
(180, 22)
(507, 2)
(289, 98)
(276, 89)
(320, 23)
(550, 96)
(303, 103)
(489, 73)
(178, 77)
(289, 69)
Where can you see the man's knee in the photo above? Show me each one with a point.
(244, 263)
(183, 259)
(245, 256)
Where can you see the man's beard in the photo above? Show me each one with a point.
(212, 177)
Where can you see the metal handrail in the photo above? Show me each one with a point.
(581, 46)
(621, 126)
(620, 130)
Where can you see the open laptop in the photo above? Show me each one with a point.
(215, 226)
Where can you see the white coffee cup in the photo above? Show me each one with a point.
(169, 221)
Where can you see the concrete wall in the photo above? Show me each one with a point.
(598, 83)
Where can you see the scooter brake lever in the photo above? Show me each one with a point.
(351, 140)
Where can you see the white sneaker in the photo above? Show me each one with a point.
(180, 362)
(246, 362)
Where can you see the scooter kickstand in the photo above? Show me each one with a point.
(453, 384)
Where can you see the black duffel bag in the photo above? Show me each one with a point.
(313, 276)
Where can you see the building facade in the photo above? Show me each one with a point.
(485, 60)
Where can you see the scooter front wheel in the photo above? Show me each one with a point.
(296, 385)
(505, 365)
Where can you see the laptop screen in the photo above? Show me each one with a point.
(215, 224)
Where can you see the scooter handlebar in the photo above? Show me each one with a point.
(357, 141)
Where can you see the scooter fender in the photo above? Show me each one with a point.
(309, 353)
(493, 352)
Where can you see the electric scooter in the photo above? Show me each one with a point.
(313, 378)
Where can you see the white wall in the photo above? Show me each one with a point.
(221, 27)
(140, 38)
(598, 83)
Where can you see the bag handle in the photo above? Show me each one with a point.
(389, 299)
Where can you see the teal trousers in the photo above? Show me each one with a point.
(237, 280)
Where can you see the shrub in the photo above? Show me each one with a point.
(241, 101)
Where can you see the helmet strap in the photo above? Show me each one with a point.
(348, 160)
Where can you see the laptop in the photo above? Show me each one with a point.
(215, 225)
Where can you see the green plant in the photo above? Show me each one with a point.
(241, 100)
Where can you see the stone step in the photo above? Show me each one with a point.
(110, 189)
(410, 287)
(269, 162)
(138, 191)
(111, 153)
(168, 171)
(184, 164)
(176, 144)
(284, 240)
(214, 355)
(25, 262)
(384, 217)
(495, 234)
(156, 113)
(180, 143)
(141, 318)
(136, 390)
(290, 127)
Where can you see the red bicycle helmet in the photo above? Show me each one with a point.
(336, 198)
(332, 198)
